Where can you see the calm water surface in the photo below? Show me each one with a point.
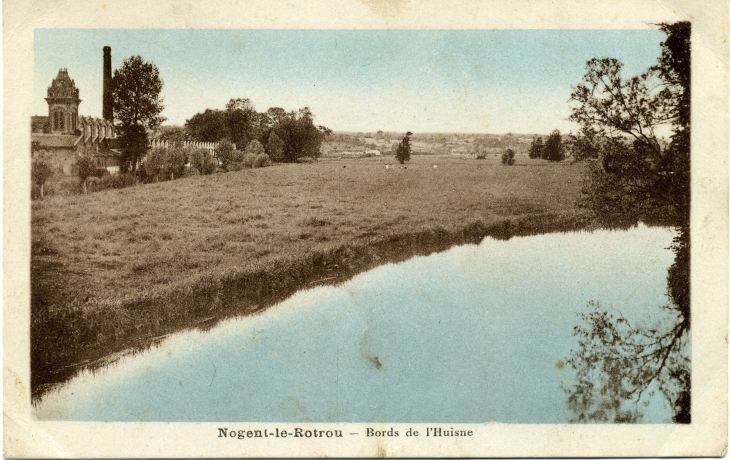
(475, 334)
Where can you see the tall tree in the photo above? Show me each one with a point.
(137, 106)
(208, 126)
(133, 142)
(585, 145)
(274, 147)
(403, 151)
(300, 136)
(536, 148)
(241, 119)
(636, 175)
(553, 149)
(272, 117)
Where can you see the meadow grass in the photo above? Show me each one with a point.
(119, 268)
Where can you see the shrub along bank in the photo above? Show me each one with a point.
(160, 164)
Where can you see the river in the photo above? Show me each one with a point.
(478, 333)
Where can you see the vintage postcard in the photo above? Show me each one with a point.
(365, 228)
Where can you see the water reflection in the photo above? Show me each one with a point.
(619, 365)
(478, 333)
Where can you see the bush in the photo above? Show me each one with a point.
(261, 160)
(227, 155)
(85, 168)
(164, 164)
(508, 157)
(114, 181)
(100, 172)
(175, 160)
(248, 160)
(202, 161)
(254, 148)
(481, 156)
(40, 171)
(59, 184)
(154, 164)
(93, 184)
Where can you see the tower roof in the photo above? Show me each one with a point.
(62, 87)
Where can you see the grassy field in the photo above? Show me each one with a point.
(118, 269)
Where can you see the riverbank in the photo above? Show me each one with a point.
(118, 269)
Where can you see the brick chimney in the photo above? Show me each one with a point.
(108, 102)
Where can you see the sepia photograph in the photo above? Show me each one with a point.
(379, 235)
(501, 235)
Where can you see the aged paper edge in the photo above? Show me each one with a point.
(706, 436)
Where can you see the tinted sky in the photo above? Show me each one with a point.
(494, 81)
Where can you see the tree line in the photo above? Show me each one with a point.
(138, 103)
(552, 150)
(246, 138)
(284, 136)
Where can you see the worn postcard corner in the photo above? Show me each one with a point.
(365, 228)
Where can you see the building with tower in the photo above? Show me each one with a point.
(63, 104)
(65, 134)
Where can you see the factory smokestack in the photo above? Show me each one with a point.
(108, 102)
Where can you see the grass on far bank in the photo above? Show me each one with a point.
(119, 268)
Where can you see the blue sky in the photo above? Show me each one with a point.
(492, 81)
